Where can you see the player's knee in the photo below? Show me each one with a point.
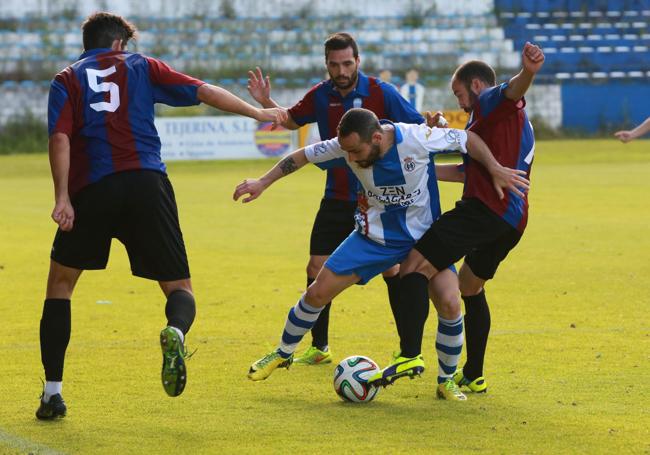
(316, 296)
(448, 304)
(313, 266)
(468, 289)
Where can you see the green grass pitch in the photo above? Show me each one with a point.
(567, 366)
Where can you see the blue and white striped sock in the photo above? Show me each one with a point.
(300, 320)
(449, 345)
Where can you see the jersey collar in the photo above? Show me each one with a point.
(398, 133)
(362, 88)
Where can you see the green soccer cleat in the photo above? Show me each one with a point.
(478, 385)
(54, 408)
(450, 391)
(174, 373)
(402, 367)
(263, 368)
(314, 356)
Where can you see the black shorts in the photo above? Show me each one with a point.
(139, 209)
(334, 222)
(469, 230)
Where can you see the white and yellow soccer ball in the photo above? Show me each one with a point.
(351, 379)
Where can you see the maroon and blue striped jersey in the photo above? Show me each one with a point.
(104, 103)
(503, 124)
(324, 105)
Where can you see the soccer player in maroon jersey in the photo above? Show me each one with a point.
(324, 104)
(484, 226)
(110, 182)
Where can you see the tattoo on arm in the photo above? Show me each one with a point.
(288, 165)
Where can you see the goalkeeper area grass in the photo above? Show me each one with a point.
(567, 362)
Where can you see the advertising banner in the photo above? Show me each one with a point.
(223, 137)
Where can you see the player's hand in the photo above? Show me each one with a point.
(504, 178)
(624, 136)
(435, 120)
(277, 115)
(253, 187)
(259, 86)
(532, 57)
(63, 214)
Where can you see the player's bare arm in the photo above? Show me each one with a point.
(59, 150)
(259, 87)
(255, 187)
(502, 177)
(532, 59)
(224, 100)
(627, 136)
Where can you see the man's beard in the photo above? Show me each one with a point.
(375, 151)
(344, 83)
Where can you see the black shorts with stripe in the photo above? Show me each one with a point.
(139, 209)
(470, 230)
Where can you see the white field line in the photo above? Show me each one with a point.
(25, 445)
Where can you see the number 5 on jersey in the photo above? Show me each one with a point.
(112, 87)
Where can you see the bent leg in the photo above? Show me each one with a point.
(320, 330)
(443, 289)
(304, 314)
(180, 308)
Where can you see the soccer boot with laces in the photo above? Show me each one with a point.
(263, 368)
(401, 367)
(477, 385)
(450, 391)
(174, 372)
(314, 356)
(54, 408)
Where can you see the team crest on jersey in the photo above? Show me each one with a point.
(357, 102)
(409, 164)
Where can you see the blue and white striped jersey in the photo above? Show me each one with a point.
(399, 198)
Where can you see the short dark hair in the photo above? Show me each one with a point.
(361, 121)
(475, 69)
(101, 29)
(339, 41)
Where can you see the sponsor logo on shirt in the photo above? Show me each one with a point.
(335, 104)
(409, 164)
(319, 149)
(394, 195)
(453, 136)
(357, 102)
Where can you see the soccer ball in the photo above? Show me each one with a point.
(350, 378)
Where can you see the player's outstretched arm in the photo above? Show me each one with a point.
(224, 100)
(503, 178)
(255, 187)
(627, 136)
(532, 59)
(59, 150)
(259, 87)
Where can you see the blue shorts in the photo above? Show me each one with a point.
(360, 255)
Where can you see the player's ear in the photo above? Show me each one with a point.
(476, 86)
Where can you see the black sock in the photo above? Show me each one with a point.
(414, 301)
(477, 329)
(320, 330)
(55, 336)
(393, 285)
(180, 310)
